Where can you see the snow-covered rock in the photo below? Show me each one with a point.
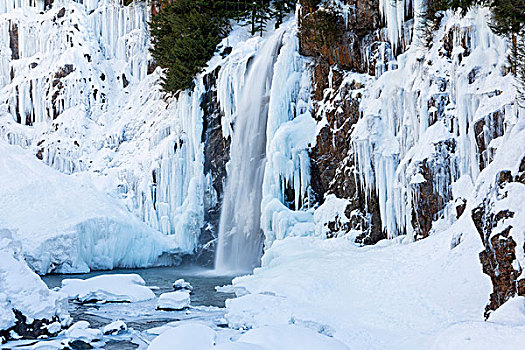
(115, 328)
(81, 331)
(181, 284)
(108, 288)
(25, 300)
(174, 300)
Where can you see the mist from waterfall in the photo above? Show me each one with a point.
(240, 235)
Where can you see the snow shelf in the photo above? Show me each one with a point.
(286, 337)
(108, 288)
(174, 300)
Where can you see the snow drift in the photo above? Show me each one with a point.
(65, 225)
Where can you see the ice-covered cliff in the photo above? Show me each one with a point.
(368, 125)
(81, 92)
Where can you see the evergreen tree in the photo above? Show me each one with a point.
(186, 32)
(281, 8)
(185, 36)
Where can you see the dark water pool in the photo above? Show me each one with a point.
(206, 303)
(202, 280)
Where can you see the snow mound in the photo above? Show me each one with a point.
(67, 226)
(109, 288)
(188, 336)
(80, 331)
(22, 290)
(286, 337)
(378, 297)
(174, 300)
(115, 328)
(182, 284)
(290, 337)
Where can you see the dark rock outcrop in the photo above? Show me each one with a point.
(27, 330)
(337, 48)
(216, 155)
(430, 200)
(499, 256)
(13, 41)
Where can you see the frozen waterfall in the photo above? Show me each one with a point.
(240, 234)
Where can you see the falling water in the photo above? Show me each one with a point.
(240, 234)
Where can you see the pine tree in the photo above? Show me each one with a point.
(281, 8)
(185, 36)
(260, 13)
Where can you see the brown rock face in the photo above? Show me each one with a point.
(429, 200)
(336, 47)
(485, 130)
(13, 41)
(498, 258)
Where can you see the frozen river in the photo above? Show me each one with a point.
(144, 321)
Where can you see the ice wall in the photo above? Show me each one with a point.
(432, 121)
(268, 175)
(79, 89)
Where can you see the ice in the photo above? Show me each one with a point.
(427, 112)
(66, 225)
(177, 300)
(107, 288)
(19, 286)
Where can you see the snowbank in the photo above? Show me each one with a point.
(188, 336)
(289, 337)
(22, 290)
(109, 288)
(174, 300)
(389, 296)
(67, 226)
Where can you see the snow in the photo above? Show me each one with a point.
(65, 225)
(187, 336)
(200, 337)
(331, 208)
(107, 288)
(177, 300)
(389, 296)
(114, 328)
(182, 284)
(80, 331)
(21, 289)
(289, 338)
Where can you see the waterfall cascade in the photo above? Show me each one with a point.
(240, 235)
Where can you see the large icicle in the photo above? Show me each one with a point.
(421, 122)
